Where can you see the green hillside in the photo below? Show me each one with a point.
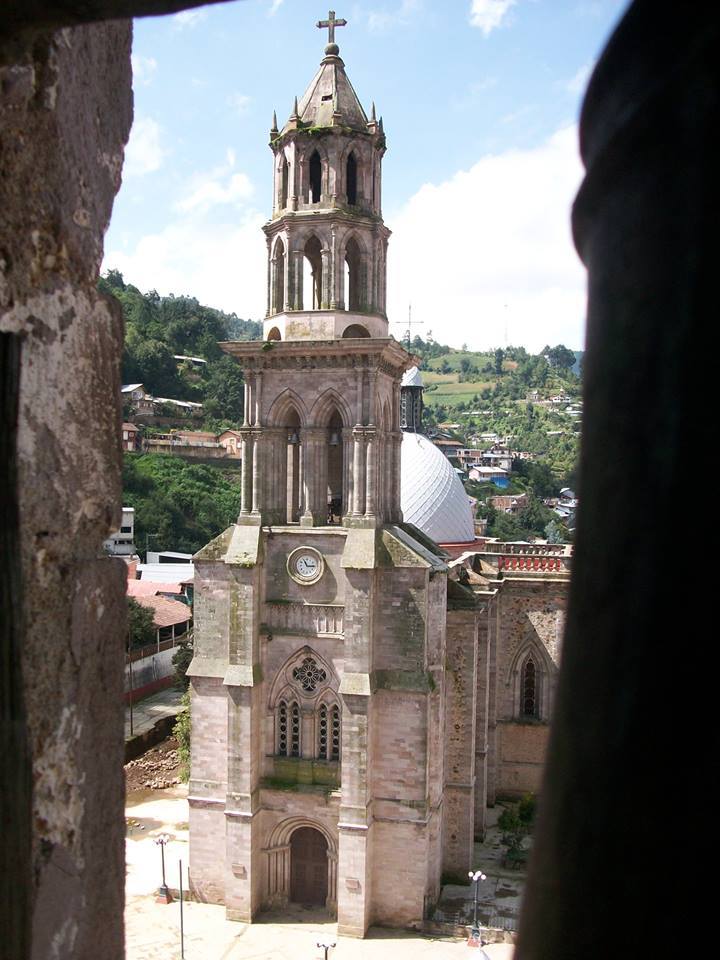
(157, 329)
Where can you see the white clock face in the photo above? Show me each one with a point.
(305, 565)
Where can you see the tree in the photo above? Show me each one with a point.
(559, 357)
(181, 660)
(141, 625)
(225, 391)
(499, 357)
(182, 731)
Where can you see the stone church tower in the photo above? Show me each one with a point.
(318, 682)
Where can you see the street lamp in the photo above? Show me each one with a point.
(163, 894)
(325, 947)
(475, 877)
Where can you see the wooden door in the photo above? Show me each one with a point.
(308, 866)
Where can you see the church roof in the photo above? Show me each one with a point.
(431, 495)
(330, 100)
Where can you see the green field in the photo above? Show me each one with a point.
(448, 391)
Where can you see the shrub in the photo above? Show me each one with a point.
(181, 731)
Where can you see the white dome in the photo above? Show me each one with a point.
(412, 378)
(431, 494)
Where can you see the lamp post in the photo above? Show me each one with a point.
(163, 894)
(475, 877)
(325, 947)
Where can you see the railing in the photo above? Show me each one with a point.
(529, 549)
(151, 648)
(317, 619)
(540, 564)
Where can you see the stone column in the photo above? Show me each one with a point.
(246, 472)
(347, 439)
(354, 893)
(287, 277)
(298, 292)
(371, 473)
(459, 742)
(257, 467)
(257, 391)
(269, 281)
(314, 477)
(337, 298)
(326, 279)
(358, 508)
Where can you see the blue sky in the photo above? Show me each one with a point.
(480, 100)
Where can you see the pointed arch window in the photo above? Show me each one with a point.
(530, 689)
(354, 299)
(288, 729)
(284, 179)
(315, 177)
(328, 728)
(312, 274)
(278, 285)
(334, 733)
(351, 179)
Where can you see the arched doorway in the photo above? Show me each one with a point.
(308, 867)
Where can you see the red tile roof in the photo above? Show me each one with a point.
(166, 612)
(148, 588)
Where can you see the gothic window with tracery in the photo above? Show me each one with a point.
(322, 732)
(335, 734)
(309, 675)
(282, 729)
(529, 689)
(328, 732)
(295, 730)
(288, 729)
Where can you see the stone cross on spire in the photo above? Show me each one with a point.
(331, 23)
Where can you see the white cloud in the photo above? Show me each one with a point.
(219, 186)
(274, 7)
(577, 83)
(489, 14)
(223, 265)
(188, 19)
(490, 251)
(144, 152)
(384, 19)
(143, 69)
(240, 102)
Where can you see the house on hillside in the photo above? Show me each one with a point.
(122, 542)
(130, 434)
(137, 398)
(231, 440)
(450, 448)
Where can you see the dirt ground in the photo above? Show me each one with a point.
(155, 770)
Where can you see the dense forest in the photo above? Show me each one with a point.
(178, 505)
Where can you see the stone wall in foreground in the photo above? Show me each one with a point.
(65, 114)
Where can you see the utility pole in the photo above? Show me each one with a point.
(407, 335)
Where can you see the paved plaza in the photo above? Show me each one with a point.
(153, 929)
(146, 713)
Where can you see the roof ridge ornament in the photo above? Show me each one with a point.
(332, 49)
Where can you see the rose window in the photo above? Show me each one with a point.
(309, 675)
